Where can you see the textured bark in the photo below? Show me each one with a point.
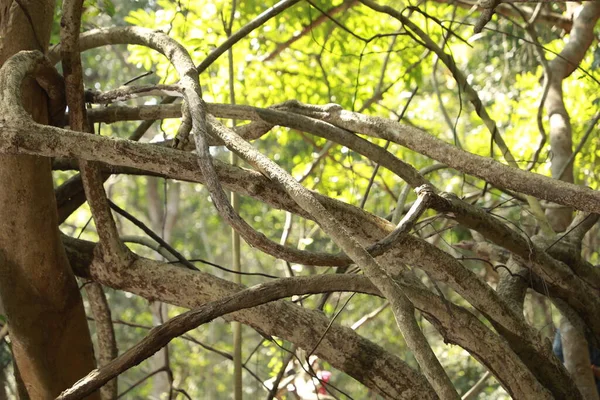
(105, 334)
(575, 346)
(343, 348)
(577, 358)
(48, 328)
(3, 385)
(528, 359)
(561, 134)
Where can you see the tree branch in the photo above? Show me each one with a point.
(242, 300)
(90, 173)
(105, 333)
(304, 327)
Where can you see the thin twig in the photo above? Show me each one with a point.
(584, 139)
(153, 235)
(387, 143)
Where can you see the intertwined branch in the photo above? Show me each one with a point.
(515, 352)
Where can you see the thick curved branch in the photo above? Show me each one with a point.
(344, 349)
(70, 195)
(55, 141)
(269, 117)
(498, 174)
(161, 335)
(52, 142)
(363, 225)
(188, 74)
(212, 57)
(26, 62)
(548, 268)
(402, 308)
(503, 176)
(190, 289)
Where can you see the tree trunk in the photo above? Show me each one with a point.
(577, 358)
(47, 323)
(575, 346)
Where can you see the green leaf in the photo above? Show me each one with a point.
(109, 7)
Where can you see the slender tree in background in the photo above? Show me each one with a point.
(409, 172)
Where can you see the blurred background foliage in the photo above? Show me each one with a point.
(360, 60)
